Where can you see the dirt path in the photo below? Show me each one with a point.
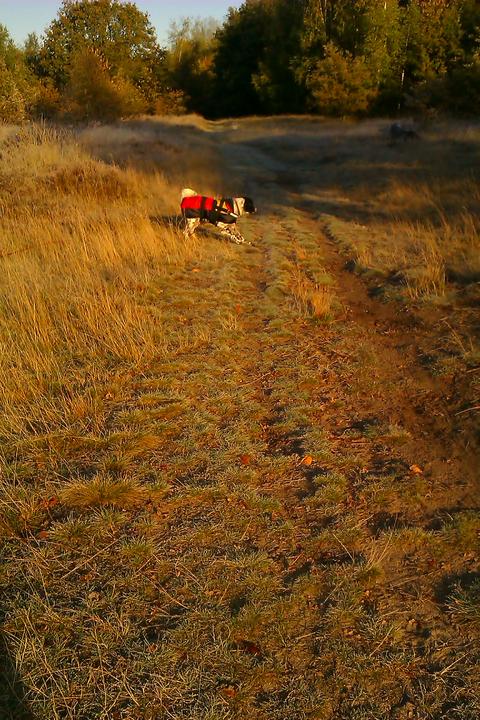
(327, 487)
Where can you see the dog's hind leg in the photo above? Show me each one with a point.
(191, 225)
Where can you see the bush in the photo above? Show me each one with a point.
(46, 102)
(457, 92)
(341, 84)
(463, 91)
(12, 100)
(92, 94)
(171, 102)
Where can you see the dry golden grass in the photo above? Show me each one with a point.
(311, 298)
(79, 254)
(420, 223)
(183, 149)
(103, 490)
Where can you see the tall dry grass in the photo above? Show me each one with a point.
(185, 148)
(442, 239)
(78, 251)
(422, 253)
(432, 202)
(311, 298)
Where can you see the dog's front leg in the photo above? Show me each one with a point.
(238, 237)
(231, 232)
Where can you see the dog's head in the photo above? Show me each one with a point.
(244, 205)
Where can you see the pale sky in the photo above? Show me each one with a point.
(24, 16)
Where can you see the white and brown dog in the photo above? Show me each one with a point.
(223, 213)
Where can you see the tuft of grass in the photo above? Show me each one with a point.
(21, 514)
(464, 531)
(103, 491)
(464, 604)
(311, 298)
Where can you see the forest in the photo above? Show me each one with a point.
(101, 60)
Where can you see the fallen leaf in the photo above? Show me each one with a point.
(250, 647)
(229, 691)
(42, 535)
(307, 460)
(245, 459)
(416, 470)
(50, 502)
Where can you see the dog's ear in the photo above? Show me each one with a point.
(238, 205)
(248, 206)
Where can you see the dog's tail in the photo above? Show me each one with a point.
(188, 192)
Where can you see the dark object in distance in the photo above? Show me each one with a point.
(400, 132)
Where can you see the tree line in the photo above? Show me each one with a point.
(100, 59)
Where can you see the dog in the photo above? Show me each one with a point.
(398, 131)
(223, 213)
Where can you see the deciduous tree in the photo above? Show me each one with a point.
(190, 62)
(341, 84)
(91, 92)
(16, 84)
(121, 34)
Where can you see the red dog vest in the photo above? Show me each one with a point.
(198, 202)
(207, 208)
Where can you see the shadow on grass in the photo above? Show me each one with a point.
(447, 584)
(13, 703)
(364, 167)
(177, 222)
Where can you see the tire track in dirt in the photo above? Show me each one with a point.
(424, 404)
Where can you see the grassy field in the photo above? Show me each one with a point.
(240, 481)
